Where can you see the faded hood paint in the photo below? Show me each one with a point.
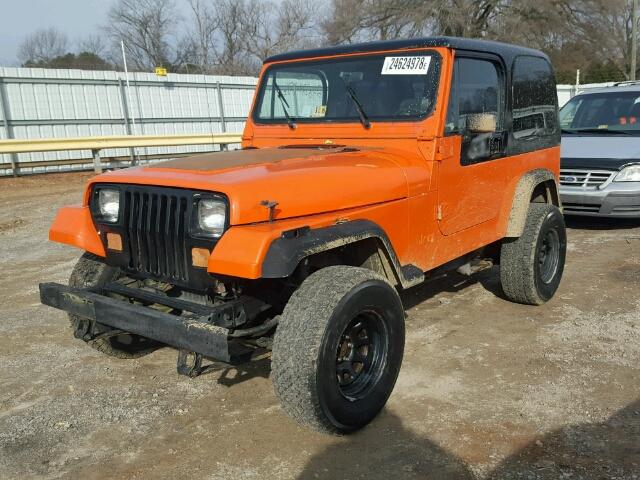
(303, 181)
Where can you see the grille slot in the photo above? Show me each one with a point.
(584, 178)
(156, 225)
(580, 207)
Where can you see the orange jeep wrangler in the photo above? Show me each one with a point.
(364, 171)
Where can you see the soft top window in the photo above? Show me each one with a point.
(384, 87)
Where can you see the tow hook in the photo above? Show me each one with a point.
(189, 363)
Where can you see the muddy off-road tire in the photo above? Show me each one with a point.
(90, 271)
(531, 266)
(338, 349)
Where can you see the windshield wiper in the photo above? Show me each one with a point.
(596, 130)
(285, 104)
(363, 116)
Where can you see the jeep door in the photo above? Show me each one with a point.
(469, 182)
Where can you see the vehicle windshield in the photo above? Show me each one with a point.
(390, 87)
(602, 113)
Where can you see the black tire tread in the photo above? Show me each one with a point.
(299, 336)
(90, 271)
(517, 263)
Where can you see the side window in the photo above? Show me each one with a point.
(535, 103)
(476, 109)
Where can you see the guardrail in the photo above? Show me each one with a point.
(95, 144)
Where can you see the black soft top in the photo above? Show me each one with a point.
(504, 50)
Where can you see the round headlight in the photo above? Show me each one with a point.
(109, 204)
(212, 216)
(629, 174)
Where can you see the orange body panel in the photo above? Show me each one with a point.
(241, 250)
(401, 175)
(73, 226)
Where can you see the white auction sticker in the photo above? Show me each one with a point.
(406, 65)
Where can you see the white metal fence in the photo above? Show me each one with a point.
(43, 103)
(566, 92)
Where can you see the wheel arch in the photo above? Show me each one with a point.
(362, 242)
(535, 186)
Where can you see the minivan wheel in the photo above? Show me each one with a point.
(531, 266)
(338, 349)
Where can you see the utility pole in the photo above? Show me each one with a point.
(134, 159)
(634, 40)
(126, 77)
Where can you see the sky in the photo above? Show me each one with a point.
(77, 18)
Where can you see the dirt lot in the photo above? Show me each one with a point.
(488, 389)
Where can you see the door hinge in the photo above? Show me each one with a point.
(439, 213)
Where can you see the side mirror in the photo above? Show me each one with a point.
(482, 123)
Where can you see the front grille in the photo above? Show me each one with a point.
(156, 224)
(584, 178)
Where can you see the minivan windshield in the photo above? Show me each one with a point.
(615, 112)
(388, 87)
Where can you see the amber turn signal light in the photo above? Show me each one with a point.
(114, 242)
(200, 257)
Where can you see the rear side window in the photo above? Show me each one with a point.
(535, 104)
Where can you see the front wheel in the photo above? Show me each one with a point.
(338, 348)
(91, 271)
(531, 266)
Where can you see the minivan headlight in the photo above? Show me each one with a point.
(212, 216)
(629, 174)
(109, 204)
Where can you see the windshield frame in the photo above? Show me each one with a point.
(260, 92)
(596, 130)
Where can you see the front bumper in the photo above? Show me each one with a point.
(194, 333)
(621, 200)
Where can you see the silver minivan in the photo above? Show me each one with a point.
(600, 156)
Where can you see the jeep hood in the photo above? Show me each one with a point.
(303, 181)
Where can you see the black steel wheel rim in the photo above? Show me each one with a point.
(549, 256)
(361, 355)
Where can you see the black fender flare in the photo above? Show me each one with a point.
(286, 253)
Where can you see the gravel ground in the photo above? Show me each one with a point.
(488, 389)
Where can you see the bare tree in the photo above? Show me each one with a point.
(362, 20)
(219, 36)
(94, 44)
(577, 34)
(150, 32)
(604, 28)
(272, 28)
(42, 46)
(233, 58)
(204, 38)
(389, 19)
(467, 18)
(232, 37)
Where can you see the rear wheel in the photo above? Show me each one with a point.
(91, 271)
(531, 266)
(338, 349)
